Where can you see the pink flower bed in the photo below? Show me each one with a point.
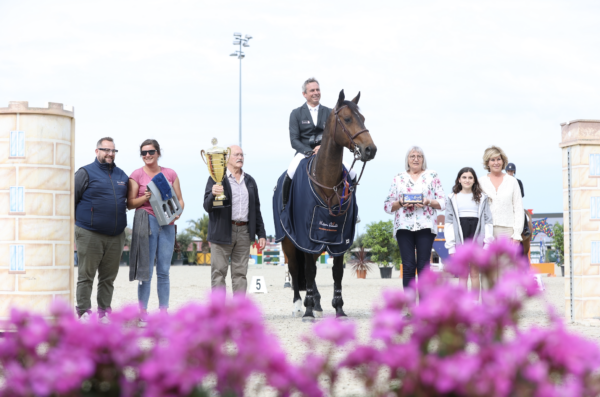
(448, 346)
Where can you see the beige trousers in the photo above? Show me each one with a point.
(239, 252)
(503, 231)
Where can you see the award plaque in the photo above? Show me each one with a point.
(216, 160)
(412, 198)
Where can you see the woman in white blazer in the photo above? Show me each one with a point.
(504, 194)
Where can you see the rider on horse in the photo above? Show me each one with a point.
(307, 124)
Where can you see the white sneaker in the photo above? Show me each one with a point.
(85, 318)
(142, 323)
(105, 319)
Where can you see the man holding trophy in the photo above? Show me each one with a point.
(233, 206)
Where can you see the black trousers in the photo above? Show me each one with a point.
(420, 241)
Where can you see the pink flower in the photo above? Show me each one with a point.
(338, 332)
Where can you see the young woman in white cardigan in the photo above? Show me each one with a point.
(468, 217)
(504, 195)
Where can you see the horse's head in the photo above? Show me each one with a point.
(351, 131)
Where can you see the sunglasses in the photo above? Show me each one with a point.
(150, 152)
(108, 150)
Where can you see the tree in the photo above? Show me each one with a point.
(184, 239)
(358, 243)
(379, 237)
(199, 229)
(559, 241)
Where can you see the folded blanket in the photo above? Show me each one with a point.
(163, 185)
(139, 260)
(306, 219)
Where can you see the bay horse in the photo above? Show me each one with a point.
(344, 128)
(526, 240)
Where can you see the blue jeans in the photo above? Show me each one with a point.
(420, 241)
(162, 241)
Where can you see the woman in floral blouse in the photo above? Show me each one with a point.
(415, 226)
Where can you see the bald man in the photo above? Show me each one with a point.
(235, 224)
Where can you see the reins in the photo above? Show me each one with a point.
(353, 147)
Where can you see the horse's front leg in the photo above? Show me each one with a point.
(338, 274)
(310, 269)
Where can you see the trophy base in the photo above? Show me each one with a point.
(219, 200)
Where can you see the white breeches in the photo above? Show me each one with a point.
(299, 157)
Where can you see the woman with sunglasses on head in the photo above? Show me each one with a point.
(161, 239)
(468, 217)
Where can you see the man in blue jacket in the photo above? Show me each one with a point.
(100, 221)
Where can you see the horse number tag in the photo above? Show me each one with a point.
(258, 285)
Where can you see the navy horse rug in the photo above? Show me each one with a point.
(306, 219)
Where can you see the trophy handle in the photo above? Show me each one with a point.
(228, 154)
(203, 156)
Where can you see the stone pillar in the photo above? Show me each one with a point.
(36, 207)
(581, 205)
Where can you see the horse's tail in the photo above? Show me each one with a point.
(529, 221)
(526, 240)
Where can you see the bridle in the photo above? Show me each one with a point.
(353, 147)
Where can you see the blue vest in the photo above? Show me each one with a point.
(103, 205)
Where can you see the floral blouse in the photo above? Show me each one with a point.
(415, 218)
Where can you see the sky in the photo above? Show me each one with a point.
(451, 77)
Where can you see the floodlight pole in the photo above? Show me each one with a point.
(240, 97)
(238, 40)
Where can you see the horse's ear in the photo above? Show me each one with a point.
(356, 98)
(341, 99)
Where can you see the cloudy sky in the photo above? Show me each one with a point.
(453, 77)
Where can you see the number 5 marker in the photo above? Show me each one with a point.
(258, 285)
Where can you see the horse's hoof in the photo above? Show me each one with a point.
(341, 315)
(297, 313)
(318, 313)
(308, 319)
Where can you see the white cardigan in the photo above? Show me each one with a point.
(506, 203)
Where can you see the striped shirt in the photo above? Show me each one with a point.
(239, 200)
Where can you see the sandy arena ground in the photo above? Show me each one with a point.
(193, 283)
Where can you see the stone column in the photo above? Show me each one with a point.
(36, 207)
(581, 205)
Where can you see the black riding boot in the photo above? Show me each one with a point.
(287, 183)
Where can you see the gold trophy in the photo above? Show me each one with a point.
(217, 164)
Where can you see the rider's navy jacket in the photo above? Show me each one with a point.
(302, 126)
(219, 223)
(101, 205)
